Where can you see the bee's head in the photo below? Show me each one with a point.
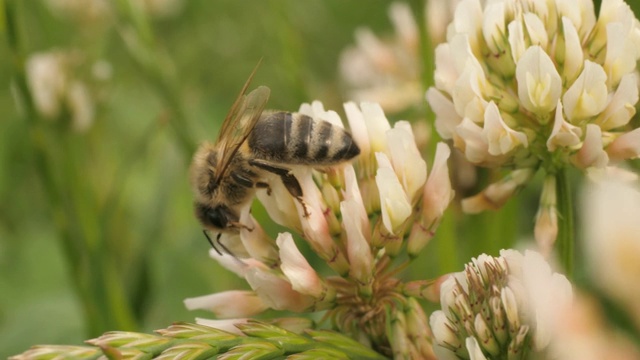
(204, 171)
(217, 218)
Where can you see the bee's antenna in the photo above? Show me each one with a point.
(226, 250)
(211, 242)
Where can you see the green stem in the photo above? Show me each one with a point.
(73, 215)
(140, 42)
(566, 232)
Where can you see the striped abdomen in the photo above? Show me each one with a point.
(293, 138)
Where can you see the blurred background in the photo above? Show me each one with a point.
(103, 104)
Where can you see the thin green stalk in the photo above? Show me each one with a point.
(90, 266)
(140, 41)
(566, 231)
(447, 245)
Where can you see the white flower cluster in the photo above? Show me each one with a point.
(386, 71)
(57, 89)
(358, 218)
(500, 307)
(526, 82)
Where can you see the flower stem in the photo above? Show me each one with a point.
(566, 232)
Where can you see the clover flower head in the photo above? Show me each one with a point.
(359, 217)
(612, 243)
(504, 306)
(57, 88)
(386, 70)
(528, 85)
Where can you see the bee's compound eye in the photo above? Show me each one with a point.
(217, 218)
(212, 216)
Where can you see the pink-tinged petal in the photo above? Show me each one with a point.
(301, 275)
(563, 134)
(228, 304)
(626, 146)
(277, 292)
(587, 96)
(258, 244)
(358, 247)
(394, 203)
(500, 137)
(235, 265)
(622, 106)
(315, 226)
(497, 194)
(546, 227)
(437, 195)
(228, 325)
(591, 153)
(539, 84)
(446, 117)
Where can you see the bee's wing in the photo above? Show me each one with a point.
(239, 123)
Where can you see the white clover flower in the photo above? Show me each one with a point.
(612, 240)
(500, 307)
(359, 217)
(545, 85)
(58, 89)
(84, 11)
(385, 71)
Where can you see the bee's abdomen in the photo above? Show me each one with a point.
(294, 138)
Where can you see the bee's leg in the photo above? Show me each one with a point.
(240, 225)
(262, 185)
(288, 180)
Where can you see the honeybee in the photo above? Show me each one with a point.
(252, 144)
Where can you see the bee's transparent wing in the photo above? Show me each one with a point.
(239, 123)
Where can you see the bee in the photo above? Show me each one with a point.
(252, 145)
